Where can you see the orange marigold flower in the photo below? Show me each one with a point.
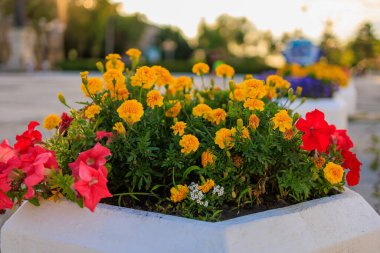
(115, 64)
(289, 134)
(131, 111)
(92, 110)
(154, 98)
(238, 161)
(201, 68)
(225, 70)
(238, 95)
(121, 93)
(282, 121)
(119, 128)
(207, 158)
(200, 109)
(113, 75)
(133, 53)
(52, 121)
(319, 162)
(207, 186)
(174, 110)
(333, 173)
(271, 92)
(179, 128)
(224, 138)
(83, 74)
(254, 104)
(144, 77)
(253, 122)
(178, 193)
(163, 76)
(189, 143)
(94, 85)
(111, 57)
(255, 88)
(216, 116)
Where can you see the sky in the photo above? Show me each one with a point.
(279, 16)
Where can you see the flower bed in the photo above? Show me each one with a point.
(144, 139)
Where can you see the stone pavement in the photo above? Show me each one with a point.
(32, 96)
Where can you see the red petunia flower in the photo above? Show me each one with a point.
(92, 185)
(5, 201)
(351, 163)
(95, 157)
(65, 122)
(103, 134)
(29, 138)
(316, 130)
(6, 152)
(341, 140)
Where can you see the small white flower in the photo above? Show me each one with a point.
(205, 203)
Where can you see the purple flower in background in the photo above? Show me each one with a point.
(312, 88)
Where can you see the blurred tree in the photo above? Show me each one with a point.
(330, 46)
(364, 45)
(183, 49)
(128, 31)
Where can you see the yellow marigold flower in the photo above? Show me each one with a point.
(119, 128)
(188, 98)
(245, 133)
(216, 116)
(238, 95)
(253, 122)
(115, 64)
(189, 143)
(92, 110)
(201, 68)
(200, 109)
(207, 158)
(271, 92)
(51, 121)
(111, 57)
(224, 138)
(207, 186)
(83, 74)
(179, 128)
(163, 76)
(183, 82)
(255, 88)
(254, 104)
(225, 70)
(131, 111)
(133, 53)
(113, 74)
(178, 193)
(174, 110)
(145, 77)
(94, 86)
(248, 76)
(282, 121)
(154, 98)
(122, 93)
(274, 80)
(333, 173)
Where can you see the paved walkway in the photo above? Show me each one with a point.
(32, 96)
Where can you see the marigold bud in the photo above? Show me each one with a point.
(239, 124)
(100, 66)
(61, 98)
(298, 91)
(290, 92)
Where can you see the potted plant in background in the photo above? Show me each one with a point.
(155, 152)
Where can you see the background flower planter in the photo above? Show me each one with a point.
(335, 109)
(341, 223)
(349, 95)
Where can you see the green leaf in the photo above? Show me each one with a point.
(34, 201)
(189, 170)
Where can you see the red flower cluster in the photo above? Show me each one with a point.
(25, 163)
(90, 174)
(319, 135)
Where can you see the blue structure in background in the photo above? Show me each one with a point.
(302, 52)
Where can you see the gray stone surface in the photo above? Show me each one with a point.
(32, 96)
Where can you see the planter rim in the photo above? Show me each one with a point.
(347, 193)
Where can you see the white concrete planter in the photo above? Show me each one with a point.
(341, 223)
(335, 109)
(349, 95)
